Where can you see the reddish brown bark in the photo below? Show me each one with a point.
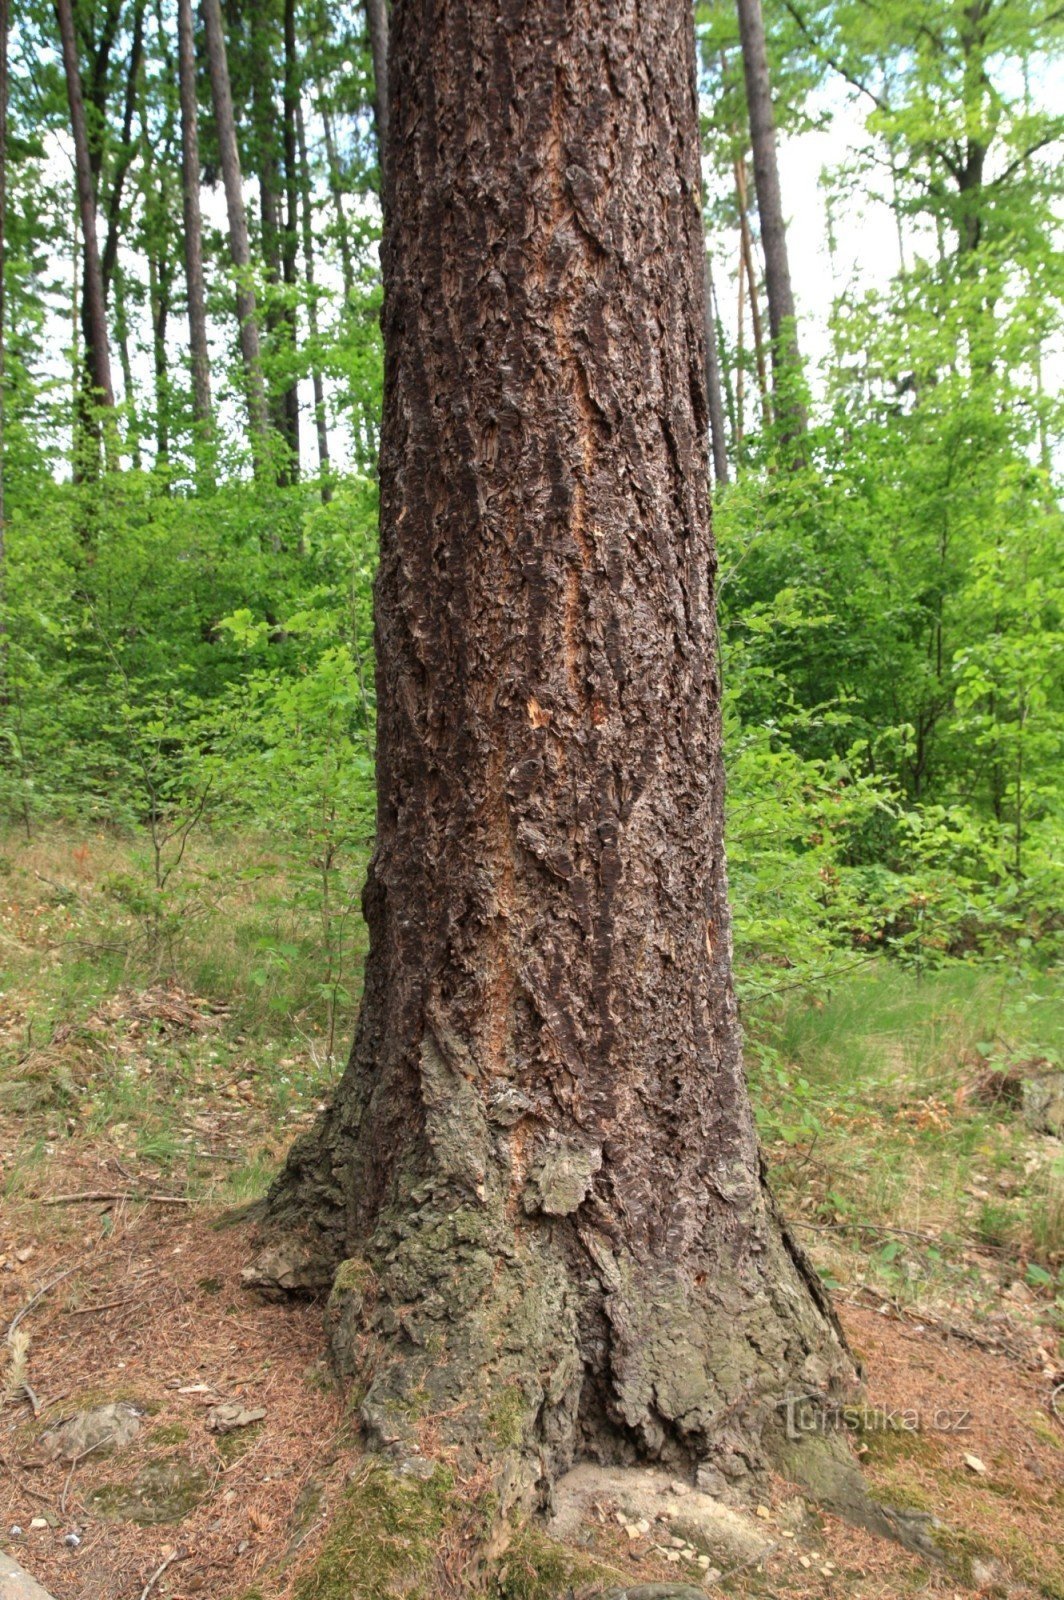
(540, 1167)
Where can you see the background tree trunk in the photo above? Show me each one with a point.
(193, 231)
(290, 243)
(321, 423)
(718, 438)
(337, 194)
(781, 316)
(239, 247)
(377, 27)
(97, 354)
(541, 1163)
(5, 24)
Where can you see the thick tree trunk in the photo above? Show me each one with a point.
(97, 353)
(781, 315)
(239, 247)
(193, 231)
(540, 1169)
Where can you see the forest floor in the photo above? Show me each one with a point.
(143, 1100)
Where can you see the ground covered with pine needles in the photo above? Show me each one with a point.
(149, 1084)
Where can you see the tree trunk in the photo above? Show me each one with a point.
(377, 27)
(127, 146)
(540, 1168)
(320, 419)
(785, 357)
(290, 243)
(336, 192)
(193, 231)
(5, 24)
(717, 435)
(747, 245)
(239, 248)
(129, 391)
(97, 354)
(160, 284)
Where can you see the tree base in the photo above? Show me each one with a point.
(518, 1344)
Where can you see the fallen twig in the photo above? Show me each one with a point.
(106, 1305)
(89, 1195)
(28, 1307)
(99, 1445)
(175, 1555)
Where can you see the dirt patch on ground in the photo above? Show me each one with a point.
(151, 1311)
(145, 1305)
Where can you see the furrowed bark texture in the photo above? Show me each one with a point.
(540, 1169)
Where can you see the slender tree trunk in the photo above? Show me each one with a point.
(160, 287)
(127, 146)
(97, 354)
(747, 245)
(540, 1168)
(377, 27)
(290, 249)
(717, 435)
(740, 365)
(716, 322)
(781, 316)
(193, 229)
(320, 418)
(239, 247)
(128, 386)
(337, 194)
(5, 24)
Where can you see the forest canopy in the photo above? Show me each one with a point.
(190, 441)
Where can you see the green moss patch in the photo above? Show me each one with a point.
(383, 1540)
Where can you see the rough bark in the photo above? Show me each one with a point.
(193, 229)
(97, 353)
(537, 1190)
(239, 248)
(780, 295)
(718, 439)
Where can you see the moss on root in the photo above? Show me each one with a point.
(384, 1538)
(536, 1567)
